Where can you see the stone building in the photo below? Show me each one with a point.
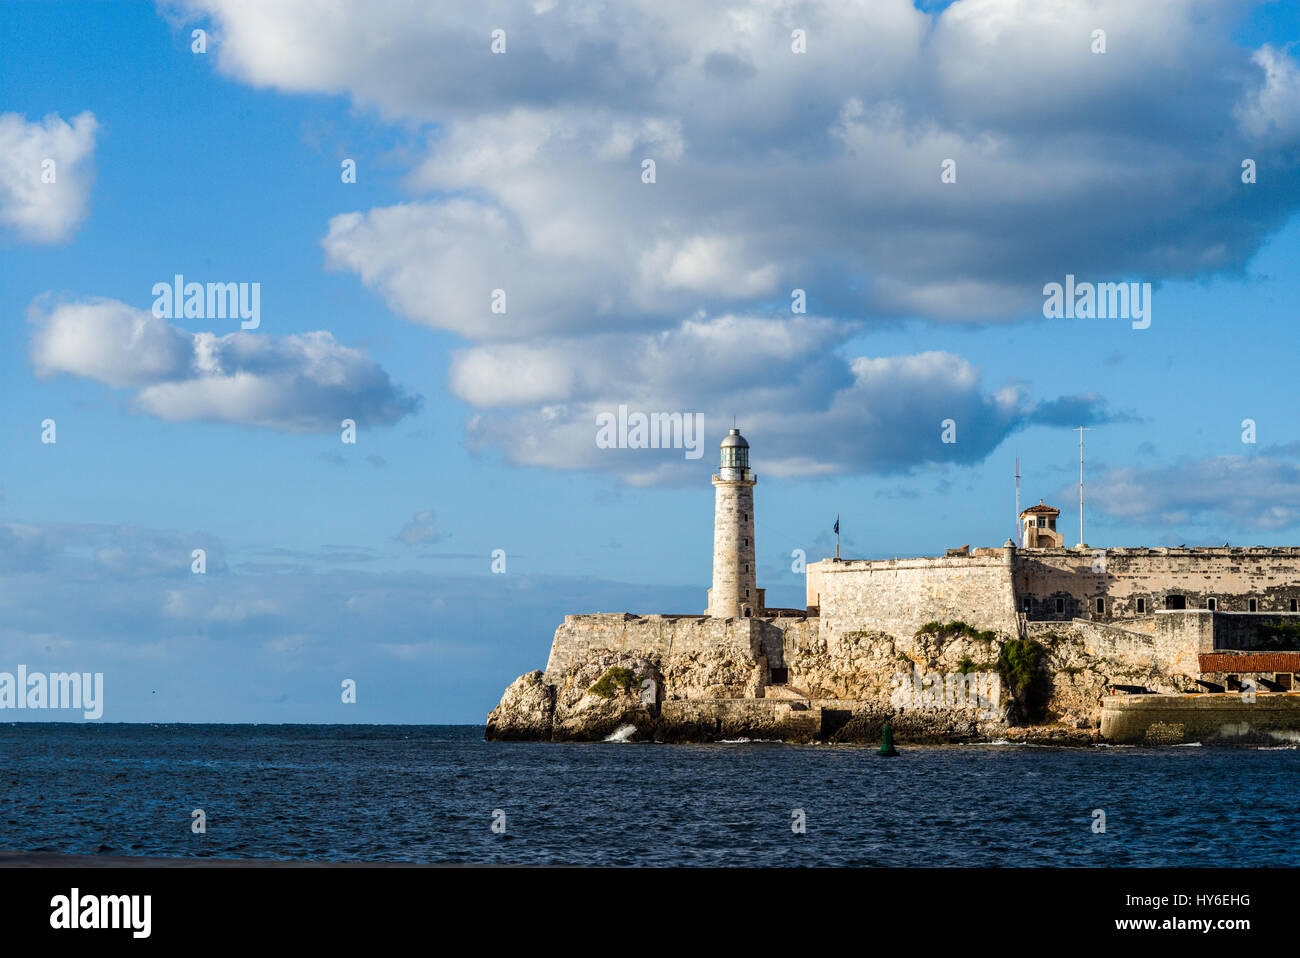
(1038, 527)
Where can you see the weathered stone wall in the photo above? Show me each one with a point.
(674, 639)
(1174, 640)
(1223, 718)
(989, 588)
(898, 596)
(1181, 637)
(1102, 640)
(1122, 576)
(658, 636)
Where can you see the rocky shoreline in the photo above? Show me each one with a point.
(1048, 693)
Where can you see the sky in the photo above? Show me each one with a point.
(504, 270)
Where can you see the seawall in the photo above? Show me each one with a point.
(1211, 718)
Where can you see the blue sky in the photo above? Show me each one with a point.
(372, 561)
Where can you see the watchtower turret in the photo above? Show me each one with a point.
(1038, 527)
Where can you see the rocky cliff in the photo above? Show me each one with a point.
(947, 683)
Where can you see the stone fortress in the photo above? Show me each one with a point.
(1115, 636)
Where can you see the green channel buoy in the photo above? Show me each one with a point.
(887, 741)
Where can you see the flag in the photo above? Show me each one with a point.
(837, 524)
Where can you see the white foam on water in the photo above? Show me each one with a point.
(623, 733)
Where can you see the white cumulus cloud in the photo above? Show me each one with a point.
(46, 172)
(307, 382)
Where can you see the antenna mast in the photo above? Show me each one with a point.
(1082, 429)
(1016, 537)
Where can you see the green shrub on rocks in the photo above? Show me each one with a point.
(953, 629)
(967, 665)
(616, 679)
(1020, 666)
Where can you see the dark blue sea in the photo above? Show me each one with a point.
(429, 794)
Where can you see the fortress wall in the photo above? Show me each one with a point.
(1104, 641)
(1121, 576)
(659, 635)
(1171, 639)
(1173, 642)
(779, 647)
(812, 579)
(662, 636)
(898, 596)
(1181, 637)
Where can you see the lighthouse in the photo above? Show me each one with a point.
(735, 592)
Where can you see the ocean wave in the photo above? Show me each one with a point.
(623, 733)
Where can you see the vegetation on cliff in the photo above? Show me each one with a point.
(967, 665)
(954, 629)
(615, 680)
(1020, 664)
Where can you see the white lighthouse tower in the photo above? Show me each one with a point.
(735, 591)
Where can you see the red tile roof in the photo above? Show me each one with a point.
(1250, 661)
